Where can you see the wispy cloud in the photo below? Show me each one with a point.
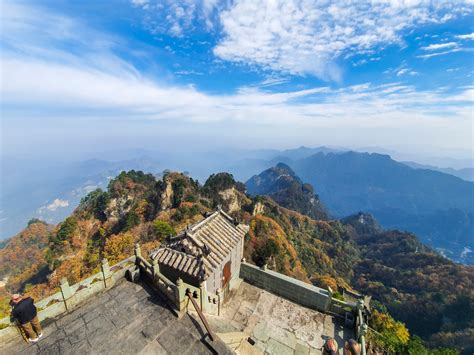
(437, 54)
(406, 71)
(53, 206)
(57, 203)
(466, 36)
(176, 18)
(306, 37)
(302, 37)
(434, 47)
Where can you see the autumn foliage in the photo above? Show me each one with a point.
(409, 282)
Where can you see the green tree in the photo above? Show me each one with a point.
(131, 220)
(162, 229)
(96, 203)
(35, 220)
(66, 230)
(265, 251)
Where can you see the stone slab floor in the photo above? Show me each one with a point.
(277, 325)
(127, 319)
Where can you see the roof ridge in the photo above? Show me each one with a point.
(193, 239)
(177, 251)
(232, 220)
(204, 221)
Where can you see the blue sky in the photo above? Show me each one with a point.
(83, 75)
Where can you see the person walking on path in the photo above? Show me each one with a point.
(25, 312)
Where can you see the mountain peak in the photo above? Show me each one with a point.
(282, 185)
(284, 168)
(363, 223)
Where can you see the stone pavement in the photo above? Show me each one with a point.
(127, 319)
(276, 325)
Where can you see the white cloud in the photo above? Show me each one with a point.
(302, 37)
(176, 17)
(140, 2)
(437, 54)
(306, 37)
(406, 71)
(434, 47)
(402, 71)
(75, 85)
(466, 36)
(57, 203)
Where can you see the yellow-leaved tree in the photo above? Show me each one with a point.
(118, 247)
(390, 335)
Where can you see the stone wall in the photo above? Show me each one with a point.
(70, 297)
(294, 290)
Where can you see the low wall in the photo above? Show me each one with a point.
(294, 290)
(70, 297)
(306, 295)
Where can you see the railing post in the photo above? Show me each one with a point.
(361, 326)
(106, 274)
(138, 252)
(203, 293)
(180, 294)
(327, 306)
(65, 291)
(156, 269)
(220, 300)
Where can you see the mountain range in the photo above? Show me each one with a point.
(435, 205)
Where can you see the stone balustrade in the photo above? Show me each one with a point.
(71, 296)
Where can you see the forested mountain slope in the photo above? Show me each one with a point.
(284, 187)
(438, 207)
(353, 253)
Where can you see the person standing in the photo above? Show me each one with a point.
(25, 312)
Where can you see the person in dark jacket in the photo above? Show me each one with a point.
(24, 311)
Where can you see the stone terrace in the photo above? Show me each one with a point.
(127, 319)
(277, 325)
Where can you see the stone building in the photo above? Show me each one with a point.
(207, 253)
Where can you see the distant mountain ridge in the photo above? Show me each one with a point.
(51, 190)
(436, 206)
(465, 173)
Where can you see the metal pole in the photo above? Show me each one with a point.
(201, 315)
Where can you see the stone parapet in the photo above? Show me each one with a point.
(71, 296)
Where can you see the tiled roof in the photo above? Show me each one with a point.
(186, 263)
(200, 248)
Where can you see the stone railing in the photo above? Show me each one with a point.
(175, 292)
(294, 290)
(71, 296)
(307, 295)
(151, 271)
(361, 326)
